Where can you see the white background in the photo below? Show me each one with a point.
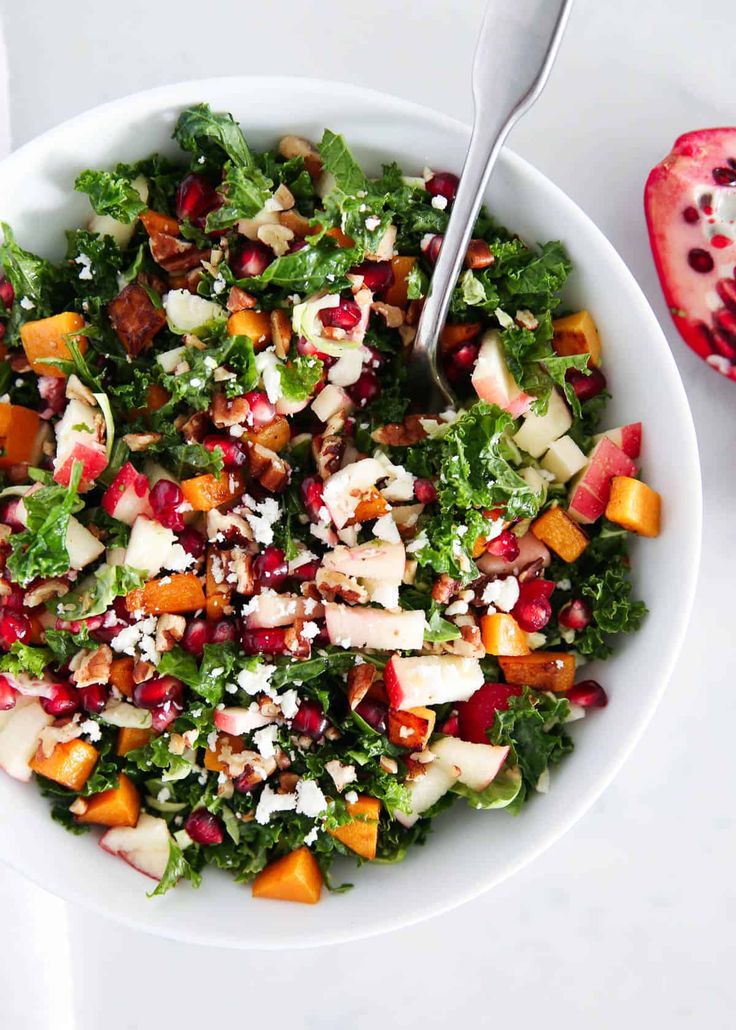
(627, 919)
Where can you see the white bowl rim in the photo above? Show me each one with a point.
(180, 92)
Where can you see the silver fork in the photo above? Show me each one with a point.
(518, 43)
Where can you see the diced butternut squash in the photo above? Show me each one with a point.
(396, 294)
(171, 594)
(212, 758)
(295, 877)
(371, 506)
(69, 764)
(544, 670)
(154, 222)
(275, 435)
(37, 633)
(255, 324)
(577, 334)
(208, 491)
(156, 397)
(339, 236)
(121, 675)
(561, 533)
(361, 833)
(218, 594)
(119, 806)
(502, 635)
(635, 506)
(479, 547)
(454, 336)
(18, 434)
(411, 727)
(46, 338)
(130, 738)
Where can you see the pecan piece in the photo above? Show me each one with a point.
(444, 588)
(169, 631)
(175, 255)
(271, 471)
(297, 146)
(194, 428)
(333, 585)
(228, 411)
(239, 300)
(90, 667)
(479, 255)
(360, 680)
(135, 318)
(328, 453)
(403, 434)
(280, 332)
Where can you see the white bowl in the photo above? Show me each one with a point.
(469, 851)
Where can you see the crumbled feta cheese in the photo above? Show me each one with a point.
(196, 382)
(91, 729)
(310, 799)
(503, 593)
(26, 303)
(258, 680)
(289, 703)
(267, 365)
(311, 837)
(439, 202)
(140, 635)
(271, 802)
(310, 630)
(372, 223)
(261, 518)
(341, 774)
(85, 272)
(564, 584)
(218, 284)
(265, 741)
(351, 797)
(386, 529)
(164, 794)
(177, 559)
(420, 540)
(457, 608)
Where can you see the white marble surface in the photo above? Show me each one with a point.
(627, 919)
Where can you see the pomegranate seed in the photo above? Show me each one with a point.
(376, 359)
(312, 492)
(366, 389)
(193, 543)
(586, 387)
(223, 632)
(94, 697)
(461, 362)
(575, 614)
(374, 713)
(505, 545)
(261, 410)
(195, 196)
(64, 700)
(346, 315)
(425, 491)
(533, 611)
(443, 184)
(196, 635)
(700, 260)
(7, 695)
(377, 275)
(7, 293)
(165, 499)
(252, 261)
(270, 568)
(296, 245)
(310, 720)
(451, 726)
(233, 455)
(690, 214)
(264, 641)
(724, 176)
(587, 694)
(13, 627)
(306, 572)
(204, 827)
(158, 691)
(93, 623)
(432, 249)
(121, 611)
(9, 514)
(476, 716)
(13, 601)
(163, 716)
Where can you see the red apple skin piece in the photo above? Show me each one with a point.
(628, 438)
(127, 497)
(274, 610)
(361, 626)
(477, 715)
(479, 764)
(93, 459)
(584, 506)
(145, 846)
(606, 461)
(430, 680)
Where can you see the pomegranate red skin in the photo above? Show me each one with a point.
(204, 827)
(375, 714)
(366, 389)
(270, 568)
(425, 491)
(13, 627)
(345, 316)
(451, 726)
(443, 184)
(575, 614)
(64, 700)
(193, 542)
(163, 716)
(195, 196)
(224, 631)
(377, 275)
(233, 455)
(94, 697)
(7, 293)
(586, 386)
(312, 492)
(157, 691)
(310, 720)
(476, 716)
(264, 641)
(694, 250)
(196, 635)
(8, 695)
(533, 610)
(587, 694)
(505, 545)
(252, 261)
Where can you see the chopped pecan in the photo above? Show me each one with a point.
(403, 434)
(287, 783)
(239, 300)
(194, 428)
(277, 237)
(470, 644)
(227, 527)
(526, 319)
(360, 680)
(389, 765)
(44, 591)
(255, 770)
(175, 255)
(392, 316)
(479, 255)
(297, 644)
(408, 335)
(280, 332)
(169, 631)
(239, 571)
(332, 584)
(271, 471)
(297, 146)
(188, 281)
(143, 671)
(228, 411)
(90, 666)
(444, 588)
(141, 441)
(135, 318)
(298, 224)
(328, 453)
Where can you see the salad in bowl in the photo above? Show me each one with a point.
(256, 611)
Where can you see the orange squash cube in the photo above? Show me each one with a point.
(635, 506)
(295, 877)
(502, 634)
(218, 594)
(577, 334)
(544, 670)
(212, 760)
(411, 727)
(121, 675)
(130, 738)
(46, 339)
(69, 764)
(396, 294)
(18, 435)
(171, 594)
(361, 833)
(372, 505)
(275, 435)
(119, 806)
(339, 236)
(454, 336)
(254, 324)
(154, 222)
(208, 491)
(561, 533)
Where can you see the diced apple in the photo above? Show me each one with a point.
(539, 431)
(77, 440)
(431, 680)
(493, 381)
(479, 764)
(592, 487)
(145, 846)
(19, 736)
(563, 459)
(82, 546)
(433, 784)
(376, 560)
(530, 550)
(268, 610)
(148, 546)
(385, 594)
(343, 490)
(237, 721)
(284, 406)
(584, 506)
(169, 359)
(628, 438)
(330, 401)
(127, 497)
(370, 627)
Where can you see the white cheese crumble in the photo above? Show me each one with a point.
(265, 741)
(91, 729)
(271, 802)
(386, 529)
(341, 774)
(503, 593)
(261, 518)
(267, 365)
(85, 272)
(177, 559)
(439, 202)
(289, 703)
(310, 799)
(256, 681)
